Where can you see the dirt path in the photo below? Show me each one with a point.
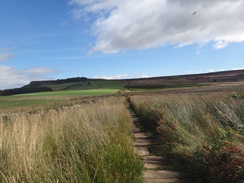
(152, 164)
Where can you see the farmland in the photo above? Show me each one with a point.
(75, 92)
(89, 92)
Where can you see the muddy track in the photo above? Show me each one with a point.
(152, 164)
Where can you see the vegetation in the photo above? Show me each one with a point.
(78, 84)
(42, 98)
(24, 90)
(59, 81)
(200, 134)
(91, 92)
(238, 95)
(90, 144)
(157, 87)
(17, 103)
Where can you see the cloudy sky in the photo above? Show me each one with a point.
(112, 39)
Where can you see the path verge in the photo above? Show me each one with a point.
(152, 172)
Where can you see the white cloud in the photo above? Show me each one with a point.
(188, 72)
(141, 76)
(121, 76)
(211, 70)
(12, 78)
(219, 70)
(238, 68)
(220, 44)
(5, 56)
(143, 24)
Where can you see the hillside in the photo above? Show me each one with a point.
(83, 83)
(79, 83)
(224, 76)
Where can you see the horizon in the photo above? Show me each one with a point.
(108, 39)
(216, 72)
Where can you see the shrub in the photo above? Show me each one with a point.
(223, 161)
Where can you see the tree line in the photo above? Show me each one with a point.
(23, 90)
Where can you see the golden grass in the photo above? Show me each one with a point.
(90, 144)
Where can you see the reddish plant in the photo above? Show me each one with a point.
(225, 162)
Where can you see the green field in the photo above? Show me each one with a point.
(91, 92)
(50, 97)
(13, 103)
(72, 90)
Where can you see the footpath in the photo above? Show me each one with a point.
(152, 164)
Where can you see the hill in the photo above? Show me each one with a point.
(83, 83)
(70, 85)
(187, 80)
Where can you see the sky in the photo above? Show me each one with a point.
(114, 39)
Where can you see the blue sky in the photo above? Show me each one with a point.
(53, 39)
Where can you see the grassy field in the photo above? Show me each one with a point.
(201, 134)
(90, 144)
(44, 98)
(17, 103)
(90, 92)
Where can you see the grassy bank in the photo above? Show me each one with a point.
(91, 144)
(202, 135)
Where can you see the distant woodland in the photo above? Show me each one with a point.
(23, 90)
(35, 86)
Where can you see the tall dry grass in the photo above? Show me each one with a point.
(204, 134)
(90, 144)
